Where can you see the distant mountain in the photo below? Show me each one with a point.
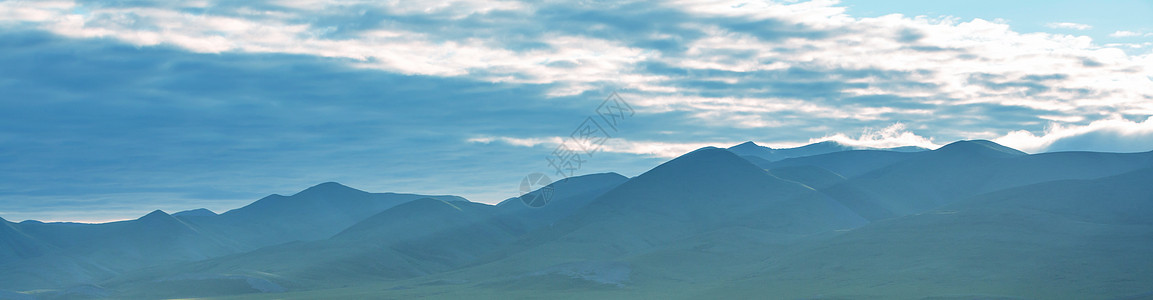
(751, 149)
(845, 163)
(313, 214)
(811, 176)
(44, 255)
(690, 219)
(78, 253)
(568, 196)
(972, 219)
(700, 192)
(416, 238)
(1068, 239)
(16, 245)
(963, 149)
(921, 181)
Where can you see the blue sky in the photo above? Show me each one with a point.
(110, 109)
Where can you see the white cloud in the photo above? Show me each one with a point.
(895, 135)
(721, 73)
(522, 142)
(1068, 25)
(613, 145)
(1126, 33)
(1109, 135)
(655, 149)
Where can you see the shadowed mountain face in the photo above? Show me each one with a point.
(972, 219)
(16, 245)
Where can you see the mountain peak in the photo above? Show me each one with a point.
(828, 144)
(748, 145)
(705, 159)
(707, 151)
(199, 212)
(327, 188)
(751, 149)
(155, 215)
(980, 147)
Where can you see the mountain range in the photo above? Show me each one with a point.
(972, 219)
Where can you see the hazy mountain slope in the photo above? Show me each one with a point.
(568, 196)
(698, 217)
(415, 238)
(16, 245)
(710, 224)
(420, 237)
(702, 192)
(312, 214)
(86, 253)
(154, 238)
(812, 176)
(53, 255)
(1066, 165)
(967, 168)
(711, 186)
(846, 163)
(1077, 239)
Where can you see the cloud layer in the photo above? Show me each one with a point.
(137, 100)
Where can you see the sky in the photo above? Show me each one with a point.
(111, 109)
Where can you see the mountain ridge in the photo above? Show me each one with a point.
(752, 149)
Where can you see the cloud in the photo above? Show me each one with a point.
(656, 149)
(521, 142)
(1109, 135)
(1126, 33)
(118, 130)
(1068, 25)
(615, 145)
(896, 135)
